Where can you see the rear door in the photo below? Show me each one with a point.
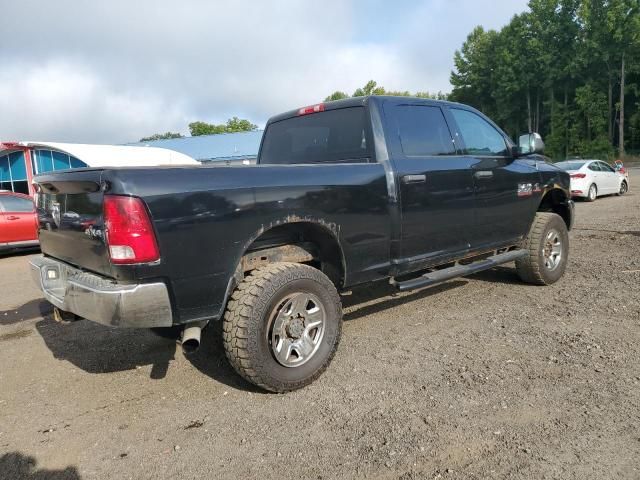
(507, 192)
(594, 175)
(435, 183)
(18, 220)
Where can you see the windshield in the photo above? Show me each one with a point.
(324, 137)
(570, 165)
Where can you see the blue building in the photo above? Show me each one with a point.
(20, 162)
(241, 147)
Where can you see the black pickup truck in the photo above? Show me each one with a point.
(409, 191)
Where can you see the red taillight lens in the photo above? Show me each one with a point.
(311, 109)
(578, 175)
(128, 230)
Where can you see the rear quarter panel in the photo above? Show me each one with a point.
(207, 217)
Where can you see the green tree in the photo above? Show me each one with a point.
(161, 136)
(337, 95)
(233, 125)
(569, 69)
(372, 88)
(473, 76)
(589, 135)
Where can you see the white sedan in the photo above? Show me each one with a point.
(593, 178)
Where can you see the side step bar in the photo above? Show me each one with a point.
(439, 276)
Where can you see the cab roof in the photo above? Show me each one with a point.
(356, 102)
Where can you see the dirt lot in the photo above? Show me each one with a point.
(480, 378)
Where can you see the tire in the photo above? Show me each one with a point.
(274, 308)
(624, 188)
(592, 193)
(542, 266)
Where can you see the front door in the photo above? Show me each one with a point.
(435, 184)
(18, 222)
(610, 178)
(507, 191)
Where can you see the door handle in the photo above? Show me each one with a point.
(414, 178)
(483, 174)
(12, 217)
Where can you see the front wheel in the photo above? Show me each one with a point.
(623, 188)
(548, 250)
(282, 326)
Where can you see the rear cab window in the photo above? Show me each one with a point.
(333, 136)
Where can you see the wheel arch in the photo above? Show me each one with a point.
(316, 243)
(557, 201)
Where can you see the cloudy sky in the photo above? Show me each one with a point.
(114, 71)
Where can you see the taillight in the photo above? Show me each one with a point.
(311, 109)
(578, 175)
(128, 230)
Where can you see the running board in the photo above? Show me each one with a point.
(439, 276)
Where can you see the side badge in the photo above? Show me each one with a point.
(525, 189)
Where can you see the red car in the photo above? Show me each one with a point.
(18, 222)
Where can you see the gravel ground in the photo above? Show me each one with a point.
(482, 377)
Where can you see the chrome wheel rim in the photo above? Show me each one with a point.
(552, 250)
(297, 329)
(592, 192)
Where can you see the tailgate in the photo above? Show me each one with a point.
(71, 220)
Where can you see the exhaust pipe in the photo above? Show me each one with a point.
(191, 338)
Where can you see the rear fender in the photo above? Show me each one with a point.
(332, 230)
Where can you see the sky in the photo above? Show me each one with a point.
(115, 71)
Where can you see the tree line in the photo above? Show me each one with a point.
(233, 125)
(569, 69)
(372, 88)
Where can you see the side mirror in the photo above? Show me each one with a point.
(530, 143)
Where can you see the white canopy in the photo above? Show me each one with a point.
(116, 155)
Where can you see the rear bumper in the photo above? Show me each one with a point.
(98, 299)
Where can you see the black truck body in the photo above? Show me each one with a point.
(363, 189)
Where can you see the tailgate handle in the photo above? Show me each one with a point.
(414, 178)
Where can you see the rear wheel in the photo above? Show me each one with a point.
(624, 188)
(548, 250)
(593, 193)
(282, 326)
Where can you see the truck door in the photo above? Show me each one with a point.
(507, 191)
(434, 181)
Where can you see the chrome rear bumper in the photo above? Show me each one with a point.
(101, 300)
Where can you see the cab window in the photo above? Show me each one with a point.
(325, 137)
(479, 136)
(422, 131)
